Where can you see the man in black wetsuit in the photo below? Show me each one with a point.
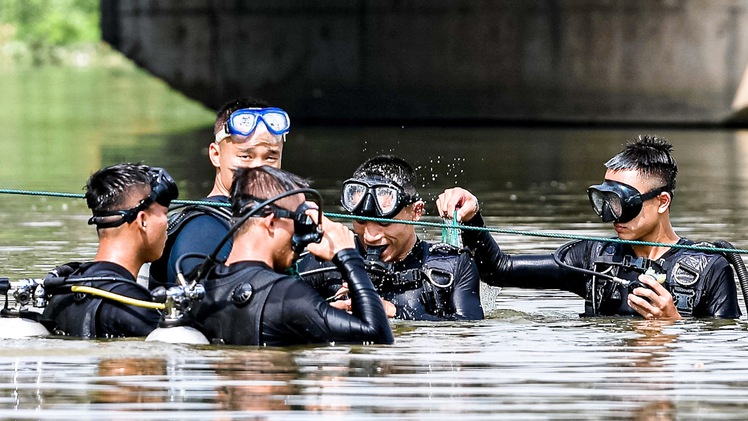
(656, 282)
(129, 203)
(248, 133)
(249, 300)
(417, 280)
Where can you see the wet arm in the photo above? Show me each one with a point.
(321, 275)
(367, 321)
(307, 315)
(538, 271)
(720, 297)
(466, 293)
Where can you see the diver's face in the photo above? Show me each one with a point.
(645, 224)
(262, 148)
(399, 238)
(157, 224)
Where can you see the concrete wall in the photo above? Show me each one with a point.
(676, 61)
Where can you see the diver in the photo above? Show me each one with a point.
(250, 299)
(416, 279)
(129, 203)
(656, 282)
(248, 133)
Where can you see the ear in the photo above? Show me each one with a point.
(141, 221)
(418, 209)
(665, 199)
(268, 223)
(214, 153)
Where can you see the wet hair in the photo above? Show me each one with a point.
(255, 185)
(110, 188)
(391, 168)
(223, 114)
(649, 155)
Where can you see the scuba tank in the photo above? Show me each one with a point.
(174, 326)
(16, 318)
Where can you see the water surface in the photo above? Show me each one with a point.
(533, 358)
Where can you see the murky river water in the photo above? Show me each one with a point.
(532, 358)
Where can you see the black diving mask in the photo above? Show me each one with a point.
(619, 202)
(374, 197)
(163, 191)
(305, 230)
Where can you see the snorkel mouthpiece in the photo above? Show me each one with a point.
(373, 260)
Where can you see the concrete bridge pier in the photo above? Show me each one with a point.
(577, 61)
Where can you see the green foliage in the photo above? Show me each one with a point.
(42, 26)
(53, 22)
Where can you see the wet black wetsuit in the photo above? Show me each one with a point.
(194, 229)
(433, 282)
(89, 316)
(702, 284)
(247, 303)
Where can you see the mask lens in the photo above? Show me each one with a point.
(597, 200)
(352, 195)
(242, 122)
(606, 204)
(387, 199)
(276, 121)
(615, 205)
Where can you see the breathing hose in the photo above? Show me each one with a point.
(117, 297)
(737, 262)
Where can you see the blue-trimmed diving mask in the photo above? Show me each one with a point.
(620, 202)
(163, 191)
(374, 197)
(242, 123)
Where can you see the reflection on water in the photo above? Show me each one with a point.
(532, 358)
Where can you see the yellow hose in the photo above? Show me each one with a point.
(116, 297)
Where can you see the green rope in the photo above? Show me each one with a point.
(82, 196)
(451, 226)
(535, 233)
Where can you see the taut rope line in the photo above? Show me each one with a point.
(426, 224)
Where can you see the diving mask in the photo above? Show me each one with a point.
(619, 202)
(374, 197)
(306, 231)
(163, 191)
(242, 123)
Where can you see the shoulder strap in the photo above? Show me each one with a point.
(181, 216)
(177, 219)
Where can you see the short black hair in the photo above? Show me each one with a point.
(651, 155)
(255, 185)
(223, 114)
(391, 168)
(109, 188)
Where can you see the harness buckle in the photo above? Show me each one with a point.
(439, 278)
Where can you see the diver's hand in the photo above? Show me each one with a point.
(389, 309)
(458, 199)
(336, 237)
(344, 305)
(654, 302)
